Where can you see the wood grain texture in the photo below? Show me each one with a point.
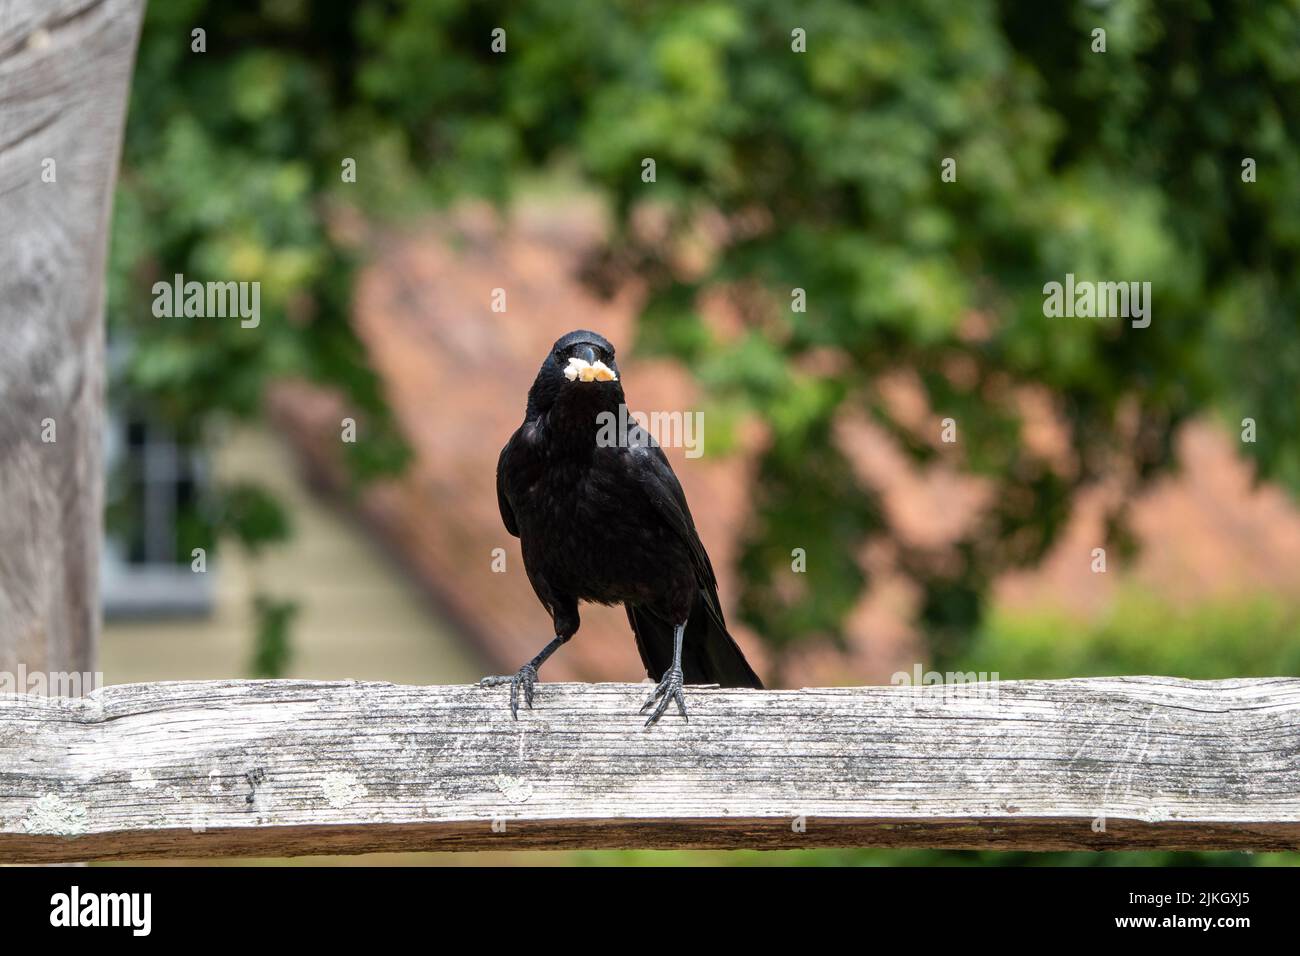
(273, 768)
(65, 68)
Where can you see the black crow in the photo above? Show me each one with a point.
(601, 517)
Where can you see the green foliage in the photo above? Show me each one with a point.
(251, 516)
(800, 496)
(271, 650)
(825, 168)
(1140, 634)
(229, 159)
(1123, 166)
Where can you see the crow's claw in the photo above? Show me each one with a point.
(527, 678)
(669, 689)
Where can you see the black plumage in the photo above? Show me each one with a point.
(606, 521)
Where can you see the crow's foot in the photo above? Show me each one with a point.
(526, 678)
(669, 689)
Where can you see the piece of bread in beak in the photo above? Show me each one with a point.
(584, 371)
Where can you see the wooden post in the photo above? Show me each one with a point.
(65, 68)
(282, 768)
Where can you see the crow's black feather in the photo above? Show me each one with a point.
(608, 522)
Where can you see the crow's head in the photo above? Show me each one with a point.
(581, 362)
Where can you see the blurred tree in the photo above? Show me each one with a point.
(228, 160)
(824, 170)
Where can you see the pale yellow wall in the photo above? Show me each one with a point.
(361, 616)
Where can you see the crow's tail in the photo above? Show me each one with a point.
(709, 654)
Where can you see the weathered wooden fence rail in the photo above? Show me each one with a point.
(292, 767)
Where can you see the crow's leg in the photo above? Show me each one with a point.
(670, 688)
(526, 677)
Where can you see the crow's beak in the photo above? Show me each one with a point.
(586, 353)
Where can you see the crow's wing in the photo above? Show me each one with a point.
(649, 468)
(709, 654)
(503, 463)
